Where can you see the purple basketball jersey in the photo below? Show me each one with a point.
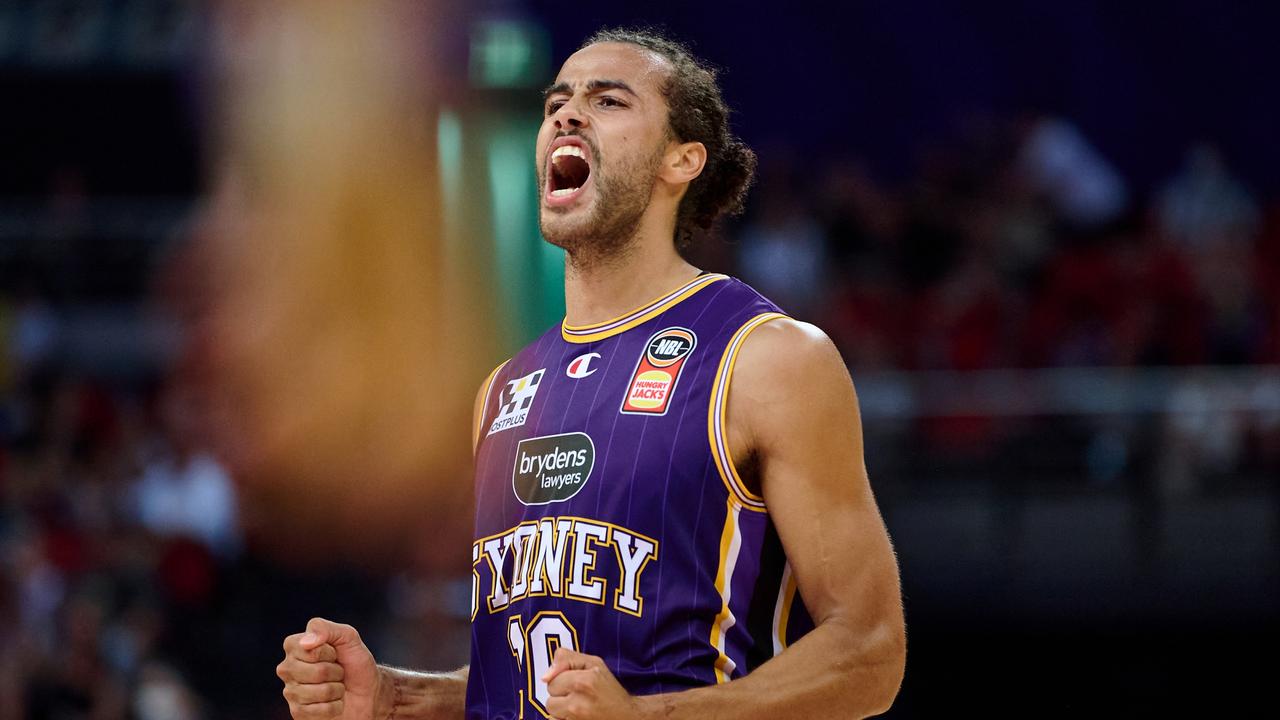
(609, 516)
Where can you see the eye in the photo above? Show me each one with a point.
(553, 106)
(610, 101)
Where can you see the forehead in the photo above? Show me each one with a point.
(642, 69)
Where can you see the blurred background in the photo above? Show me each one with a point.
(255, 258)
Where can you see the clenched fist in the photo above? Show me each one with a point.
(329, 673)
(583, 688)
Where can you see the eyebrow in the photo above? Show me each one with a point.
(592, 86)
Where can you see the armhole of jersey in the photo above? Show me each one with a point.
(484, 409)
(782, 609)
(717, 416)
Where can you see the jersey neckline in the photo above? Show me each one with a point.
(642, 314)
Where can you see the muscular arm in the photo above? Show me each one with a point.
(329, 672)
(410, 695)
(793, 407)
(793, 411)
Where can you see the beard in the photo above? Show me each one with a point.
(605, 232)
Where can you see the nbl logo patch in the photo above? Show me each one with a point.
(654, 381)
(516, 399)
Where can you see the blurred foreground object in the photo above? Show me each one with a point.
(339, 338)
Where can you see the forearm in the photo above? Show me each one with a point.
(830, 673)
(409, 695)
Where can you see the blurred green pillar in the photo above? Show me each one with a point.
(486, 146)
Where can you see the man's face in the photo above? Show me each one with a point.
(603, 133)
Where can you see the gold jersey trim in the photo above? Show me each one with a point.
(782, 610)
(717, 415)
(642, 314)
(730, 547)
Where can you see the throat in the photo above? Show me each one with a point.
(597, 294)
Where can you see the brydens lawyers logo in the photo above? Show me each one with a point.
(516, 399)
(552, 468)
(654, 381)
(580, 367)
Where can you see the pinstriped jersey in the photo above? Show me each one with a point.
(609, 515)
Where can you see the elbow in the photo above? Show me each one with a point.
(893, 670)
(874, 669)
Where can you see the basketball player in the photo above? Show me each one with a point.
(673, 518)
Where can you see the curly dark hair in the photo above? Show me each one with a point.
(696, 112)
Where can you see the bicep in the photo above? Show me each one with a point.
(801, 414)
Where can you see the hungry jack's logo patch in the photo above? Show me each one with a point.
(654, 381)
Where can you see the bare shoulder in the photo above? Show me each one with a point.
(790, 386)
(787, 357)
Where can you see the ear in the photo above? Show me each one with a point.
(683, 162)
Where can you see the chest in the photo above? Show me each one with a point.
(608, 429)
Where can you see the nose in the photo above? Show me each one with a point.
(569, 117)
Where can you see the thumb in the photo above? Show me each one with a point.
(321, 631)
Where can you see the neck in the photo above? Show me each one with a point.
(599, 291)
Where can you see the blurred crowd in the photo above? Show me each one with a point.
(129, 590)
(1019, 245)
(114, 525)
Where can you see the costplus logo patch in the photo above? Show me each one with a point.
(580, 366)
(517, 398)
(653, 383)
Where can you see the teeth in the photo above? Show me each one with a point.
(573, 150)
(563, 191)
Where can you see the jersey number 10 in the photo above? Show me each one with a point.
(534, 645)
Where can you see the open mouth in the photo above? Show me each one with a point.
(569, 171)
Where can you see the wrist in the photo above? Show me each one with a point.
(386, 696)
(648, 707)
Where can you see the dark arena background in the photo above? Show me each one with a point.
(256, 257)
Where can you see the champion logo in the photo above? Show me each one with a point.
(580, 366)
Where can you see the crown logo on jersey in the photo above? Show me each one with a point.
(653, 382)
(516, 399)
